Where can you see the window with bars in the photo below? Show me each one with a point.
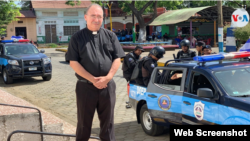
(70, 30)
(70, 13)
(49, 13)
(50, 22)
(71, 21)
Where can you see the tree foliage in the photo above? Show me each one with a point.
(8, 12)
(242, 33)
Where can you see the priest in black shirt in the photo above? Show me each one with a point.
(94, 55)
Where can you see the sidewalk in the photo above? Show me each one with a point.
(47, 118)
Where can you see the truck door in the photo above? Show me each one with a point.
(164, 95)
(199, 110)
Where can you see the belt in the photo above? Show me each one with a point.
(85, 81)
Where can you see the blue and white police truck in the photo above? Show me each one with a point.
(210, 90)
(19, 59)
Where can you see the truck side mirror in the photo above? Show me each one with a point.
(42, 51)
(205, 92)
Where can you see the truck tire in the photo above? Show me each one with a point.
(147, 125)
(47, 78)
(6, 79)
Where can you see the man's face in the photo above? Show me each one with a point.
(94, 18)
(138, 52)
(184, 48)
(207, 51)
(199, 48)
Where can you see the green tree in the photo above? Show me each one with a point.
(8, 12)
(234, 4)
(140, 8)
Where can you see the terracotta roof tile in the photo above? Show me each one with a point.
(26, 14)
(58, 4)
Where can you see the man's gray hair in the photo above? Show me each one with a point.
(94, 4)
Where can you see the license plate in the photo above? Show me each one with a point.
(33, 68)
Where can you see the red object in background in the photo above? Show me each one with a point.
(24, 40)
(128, 88)
(209, 41)
(160, 10)
(106, 12)
(179, 29)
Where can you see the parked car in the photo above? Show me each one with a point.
(19, 60)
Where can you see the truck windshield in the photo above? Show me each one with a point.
(13, 49)
(236, 82)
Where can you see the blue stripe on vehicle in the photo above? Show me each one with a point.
(3, 61)
(213, 112)
(137, 92)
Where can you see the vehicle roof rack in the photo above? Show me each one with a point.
(178, 60)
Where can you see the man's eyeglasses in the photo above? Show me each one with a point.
(94, 17)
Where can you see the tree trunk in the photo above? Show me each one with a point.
(142, 34)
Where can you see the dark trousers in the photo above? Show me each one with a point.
(88, 99)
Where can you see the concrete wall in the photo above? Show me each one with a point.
(29, 23)
(29, 122)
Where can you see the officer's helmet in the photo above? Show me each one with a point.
(157, 51)
(185, 42)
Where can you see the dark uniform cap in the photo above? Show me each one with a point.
(207, 46)
(140, 48)
(157, 51)
(185, 42)
(201, 43)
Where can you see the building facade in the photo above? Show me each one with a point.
(25, 26)
(56, 22)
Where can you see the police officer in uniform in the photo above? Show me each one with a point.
(151, 62)
(185, 52)
(199, 47)
(207, 50)
(130, 61)
(94, 54)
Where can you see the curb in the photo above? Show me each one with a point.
(63, 50)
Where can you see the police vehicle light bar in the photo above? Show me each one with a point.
(11, 41)
(23, 40)
(217, 57)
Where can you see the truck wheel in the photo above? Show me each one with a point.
(6, 78)
(147, 125)
(47, 78)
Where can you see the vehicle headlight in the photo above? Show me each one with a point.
(46, 60)
(13, 62)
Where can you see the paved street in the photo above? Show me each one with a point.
(58, 97)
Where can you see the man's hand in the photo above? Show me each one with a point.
(101, 82)
(175, 76)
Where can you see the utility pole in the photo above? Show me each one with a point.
(220, 26)
(133, 31)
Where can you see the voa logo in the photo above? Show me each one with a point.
(141, 90)
(240, 18)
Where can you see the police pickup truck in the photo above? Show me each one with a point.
(19, 59)
(208, 90)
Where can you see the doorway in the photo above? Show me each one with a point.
(21, 31)
(50, 34)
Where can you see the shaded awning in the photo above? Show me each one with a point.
(180, 15)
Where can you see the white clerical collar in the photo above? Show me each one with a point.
(94, 32)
